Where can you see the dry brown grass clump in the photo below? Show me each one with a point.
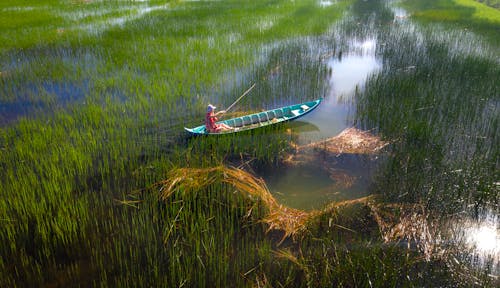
(411, 223)
(292, 222)
(351, 140)
(280, 217)
(395, 222)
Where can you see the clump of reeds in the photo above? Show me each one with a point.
(290, 221)
(410, 223)
(351, 141)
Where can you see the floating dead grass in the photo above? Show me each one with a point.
(292, 222)
(342, 179)
(279, 217)
(324, 155)
(411, 224)
(352, 141)
(349, 141)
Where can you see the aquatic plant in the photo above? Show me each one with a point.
(469, 14)
(93, 99)
(438, 104)
(328, 246)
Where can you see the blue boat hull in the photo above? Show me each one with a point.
(261, 119)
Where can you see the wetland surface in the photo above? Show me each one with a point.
(102, 187)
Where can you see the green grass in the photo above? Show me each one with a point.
(467, 13)
(482, 10)
(104, 90)
(454, 10)
(428, 106)
(491, 3)
(439, 105)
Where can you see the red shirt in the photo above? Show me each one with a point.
(210, 122)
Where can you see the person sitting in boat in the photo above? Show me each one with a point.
(211, 118)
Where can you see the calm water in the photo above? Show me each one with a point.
(310, 187)
(313, 186)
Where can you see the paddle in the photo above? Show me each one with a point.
(246, 92)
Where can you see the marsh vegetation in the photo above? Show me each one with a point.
(100, 185)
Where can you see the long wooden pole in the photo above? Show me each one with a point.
(246, 92)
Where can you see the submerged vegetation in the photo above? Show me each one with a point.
(101, 187)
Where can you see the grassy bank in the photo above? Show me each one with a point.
(468, 14)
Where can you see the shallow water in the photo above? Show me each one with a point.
(311, 187)
(482, 238)
(348, 72)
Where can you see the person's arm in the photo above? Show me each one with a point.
(220, 112)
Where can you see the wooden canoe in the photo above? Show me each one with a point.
(261, 119)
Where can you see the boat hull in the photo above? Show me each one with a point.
(261, 119)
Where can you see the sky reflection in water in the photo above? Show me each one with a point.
(308, 187)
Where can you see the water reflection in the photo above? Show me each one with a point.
(311, 186)
(482, 238)
(399, 14)
(128, 13)
(348, 72)
(326, 3)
